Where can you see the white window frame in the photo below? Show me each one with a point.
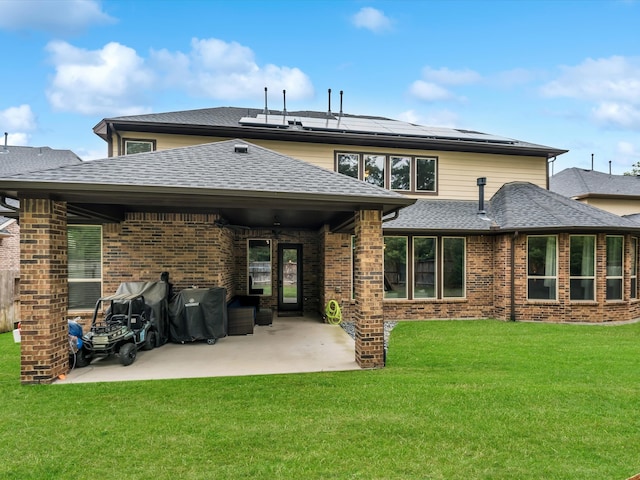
(80, 280)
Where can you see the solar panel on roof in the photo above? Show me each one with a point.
(369, 126)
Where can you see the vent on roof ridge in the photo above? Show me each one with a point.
(241, 148)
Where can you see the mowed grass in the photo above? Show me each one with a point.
(457, 400)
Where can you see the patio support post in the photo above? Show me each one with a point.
(369, 270)
(43, 290)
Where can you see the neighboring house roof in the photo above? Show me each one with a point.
(517, 206)
(579, 183)
(208, 176)
(15, 160)
(320, 127)
(4, 223)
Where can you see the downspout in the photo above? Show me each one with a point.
(512, 315)
(396, 214)
(3, 203)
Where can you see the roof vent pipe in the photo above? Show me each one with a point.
(592, 162)
(609, 167)
(284, 99)
(6, 136)
(266, 109)
(341, 102)
(482, 181)
(329, 111)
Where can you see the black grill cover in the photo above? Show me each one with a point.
(198, 314)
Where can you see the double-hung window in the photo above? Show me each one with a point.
(84, 250)
(615, 272)
(415, 174)
(582, 277)
(542, 267)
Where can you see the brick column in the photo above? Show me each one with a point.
(369, 270)
(43, 290)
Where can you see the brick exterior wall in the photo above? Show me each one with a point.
(190, 247)
(10, 248)
(369, 271)
(563, 309)
(44, 291)
(337, 270)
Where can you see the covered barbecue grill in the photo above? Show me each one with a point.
(198, 314)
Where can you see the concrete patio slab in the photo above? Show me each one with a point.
(289, 345)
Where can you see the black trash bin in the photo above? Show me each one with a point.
(198, 314)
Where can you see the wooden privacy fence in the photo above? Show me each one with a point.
(9, 299)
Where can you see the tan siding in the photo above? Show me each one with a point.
(619, 207)
(457, 171)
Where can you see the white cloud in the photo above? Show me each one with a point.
(440, 118)
(372, 19)
(17, 118)
(410, 116)
(115, 80)
(54, 16)
(611, 85)
(432, 87)
(228, 71)
(429, 92)
(109, 81)
(627, 149)
(17, 139)
(450, 77)
(17, 122)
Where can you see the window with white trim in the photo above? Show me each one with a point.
(582, 278)
(542, 260)
(84, 252)
(615, 267)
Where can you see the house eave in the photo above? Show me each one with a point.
(342, 138)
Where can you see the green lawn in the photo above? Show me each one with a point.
(457, 400)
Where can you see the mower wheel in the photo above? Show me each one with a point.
(150, 342)
(82, 358)
(127, 354)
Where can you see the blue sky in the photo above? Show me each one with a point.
(559, 73)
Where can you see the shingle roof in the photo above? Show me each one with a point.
(516, 206)
(441, 215)
(373, 128)
(15, 160)
(576, 182)
(214, 166)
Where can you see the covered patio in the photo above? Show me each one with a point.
(192, 211)
(290, 345)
